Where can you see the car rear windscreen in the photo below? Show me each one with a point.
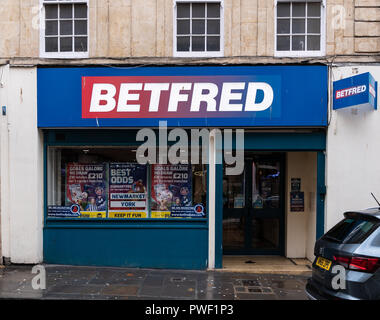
(351, 231)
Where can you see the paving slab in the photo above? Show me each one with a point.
(90, 283)
(120, 290)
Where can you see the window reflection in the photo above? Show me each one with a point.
(265, 184)
(234, 192)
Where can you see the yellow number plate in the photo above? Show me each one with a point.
(323, 263)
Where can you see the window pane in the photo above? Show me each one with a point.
(175, 191)
(266, 184)
(213, 27)
(80, 27)
(283, 43)
(65, 11)
(313, 43)
(80, 44)
(233, 233)
(283, 26)
(198, 43)
(265, 233)
(51, 28)
(109, 183)
(198, 10)
(351, 230)
(283, 9)
(183, 10)
(198, 27)
(298, 10)
(51, 11)
(51, 44)
(83, 178)
(66, 27)
(183, 26)
(80, 11)
(183, 43)
(298, 26)
(313, 26)
(213, 43)
(234, 191)
(66, 44)
(298, 43)
(314, 9)
(213, 10)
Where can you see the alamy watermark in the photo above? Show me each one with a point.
(176, 147)
(338, 282)
(338, 17)
(39, 281)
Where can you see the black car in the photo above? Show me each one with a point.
(353, 243)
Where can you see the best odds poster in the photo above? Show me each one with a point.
(127, 190)
(86, 188)
(171, 192)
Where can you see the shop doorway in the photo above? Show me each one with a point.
(254, 206)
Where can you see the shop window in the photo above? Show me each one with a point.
(300, 29)
(198, 29)
(65, 32)
(100, 182)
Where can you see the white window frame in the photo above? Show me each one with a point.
(42, 25)
(305, 53)
(198, 54)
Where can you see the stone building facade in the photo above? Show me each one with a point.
(131, 36)
(129, 31)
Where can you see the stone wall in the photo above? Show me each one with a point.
(367, 26)
(121, 29)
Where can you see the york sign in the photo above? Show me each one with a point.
(173, 97)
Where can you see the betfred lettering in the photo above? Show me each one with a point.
(343, 93)
(187, 97)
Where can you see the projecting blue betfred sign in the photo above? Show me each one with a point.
(357, 91)
(250, 96)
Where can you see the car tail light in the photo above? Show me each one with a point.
(365, 264)
(359, 263)
(344, 261)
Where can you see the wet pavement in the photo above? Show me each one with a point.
(71, 282)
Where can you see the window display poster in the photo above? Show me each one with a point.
(171, 192)
(127, 190)
(86, 188)
(295, 184)
(297, 201)
(239, 201)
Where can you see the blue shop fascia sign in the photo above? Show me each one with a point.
(357, 91)
(222, 96)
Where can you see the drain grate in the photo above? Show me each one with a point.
(251, 286)
(240, 289)
(253, 290)
(178, 279)
(263, 290)
(250, 283)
